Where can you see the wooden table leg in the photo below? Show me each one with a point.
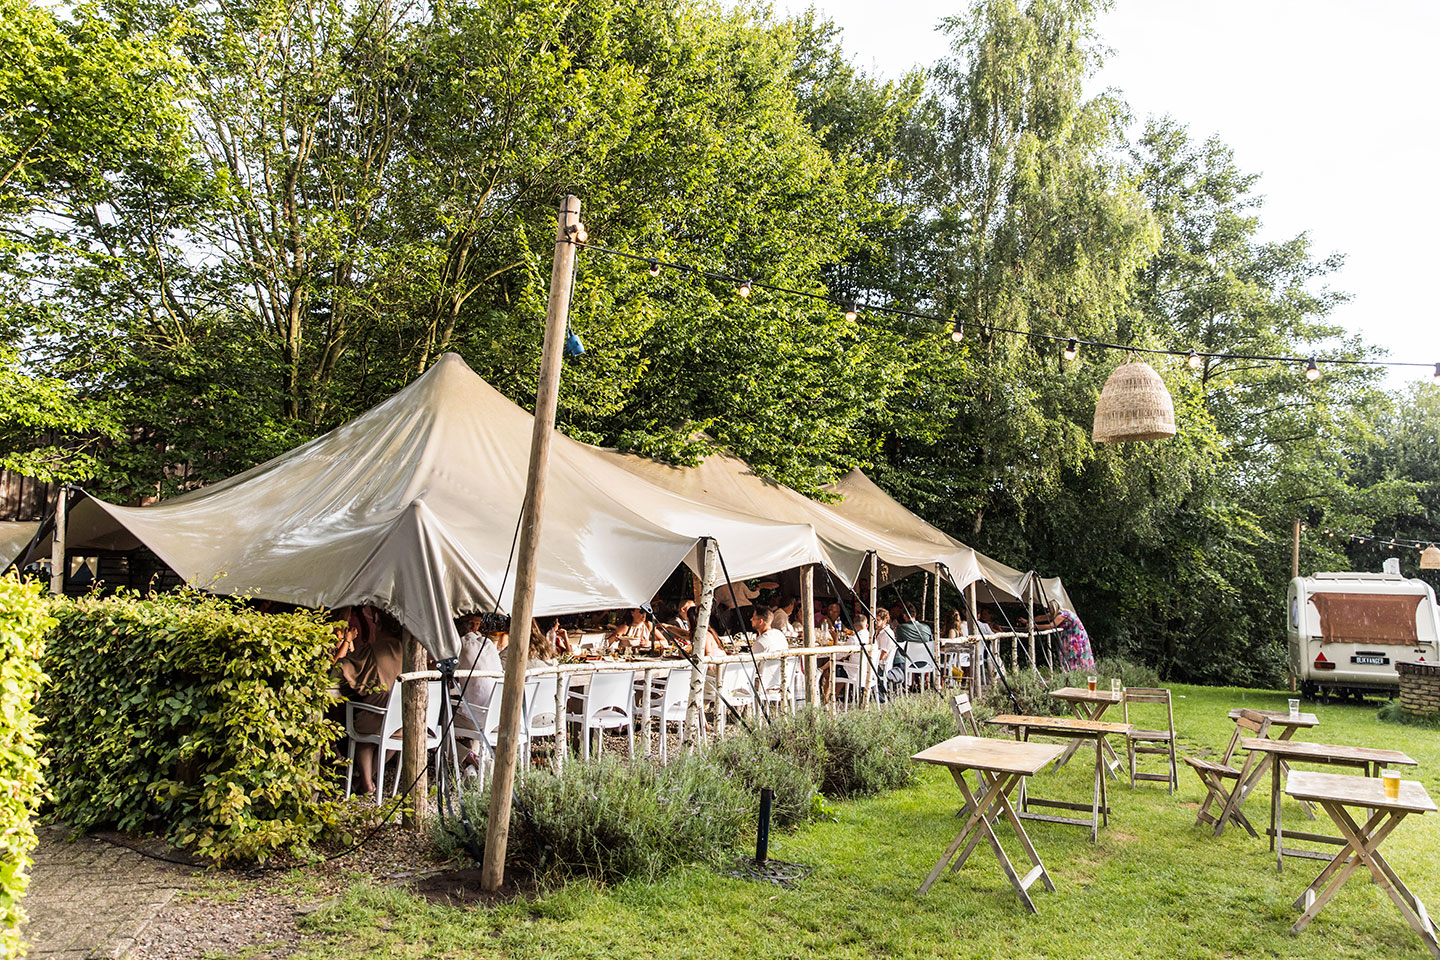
(1099, 791)
(977, 809)
(1238, 795)
(1277, 836)
(1360, 845)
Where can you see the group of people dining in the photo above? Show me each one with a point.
(368, 645)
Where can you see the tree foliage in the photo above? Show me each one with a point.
(226, 228)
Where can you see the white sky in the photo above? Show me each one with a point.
(1333, 102)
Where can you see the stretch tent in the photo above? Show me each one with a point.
(412, 507)
(15, 536)
(867, 505)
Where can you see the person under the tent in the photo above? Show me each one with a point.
(631, 635)
(768, 640)
(953, 626)
(885, 645)
(733, 600)
(366, 675)
(850, 666)
(784, 617)
(712, 646)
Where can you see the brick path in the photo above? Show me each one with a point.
(88, 898)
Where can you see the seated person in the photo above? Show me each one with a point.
(712, 646)
(768, 640)
(631, 635)
(850, 666)
(784, 617)
(366, 675)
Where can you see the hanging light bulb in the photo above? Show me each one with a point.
(1194, 360)
(654, 268)
(744, 288)
(957, 333)
(852, 311)
(1072, 349)
(1312, 370)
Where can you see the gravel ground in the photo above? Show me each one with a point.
(227, 911)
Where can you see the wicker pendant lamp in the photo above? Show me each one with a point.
(1430, 558)
(1134, 405)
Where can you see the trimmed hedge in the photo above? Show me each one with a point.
(194, 717)
(23, 622)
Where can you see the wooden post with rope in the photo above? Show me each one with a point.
(807, 631)
(414, 701)
(568, 232)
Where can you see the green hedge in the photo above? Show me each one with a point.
(23, 622)
(193, 717)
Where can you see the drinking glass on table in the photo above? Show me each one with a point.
(1115, 687)
(1391, 779)
(1090, 682)
(1294, 709)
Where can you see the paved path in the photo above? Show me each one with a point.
(88, 898)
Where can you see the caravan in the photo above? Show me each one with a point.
(1346, 631)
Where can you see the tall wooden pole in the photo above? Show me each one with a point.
(807, 632)
(1030, 622)
(57, 548)
(414, 697)
(695, 711)
(497, 831)
(1295, 553)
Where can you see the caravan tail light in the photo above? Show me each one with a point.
(1322, 664)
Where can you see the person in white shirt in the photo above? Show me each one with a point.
(768, 640)
(850, 666)
(734, 600)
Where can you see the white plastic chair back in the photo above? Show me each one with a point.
(608, 702)
(540, 699)
(675, 698)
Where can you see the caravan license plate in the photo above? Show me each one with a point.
(1377, 661)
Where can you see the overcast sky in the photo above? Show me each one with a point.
(1333, 102)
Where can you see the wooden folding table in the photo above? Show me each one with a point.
(1001, 765)
(1089, 704)
(1283, 752)
(1254, 769)
(1070, 729)
(1336, 791)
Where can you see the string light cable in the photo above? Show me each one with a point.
(745, 286)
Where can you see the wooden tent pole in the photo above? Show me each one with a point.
(874, 602)
(414, 700)
(695, 710)
(57, 548)
(547, 396)
(807, 631)
(935, 625)
(1030, 621)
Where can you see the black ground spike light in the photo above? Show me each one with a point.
(762, 868)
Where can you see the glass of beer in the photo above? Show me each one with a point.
(1391, 779)
(1090, 682)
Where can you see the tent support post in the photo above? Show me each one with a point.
(1030, 625)
(935, 625)
(57, 549)
(873, 567)
(512, 694)
(977, 651)
(413, 702)
(807, 631)
(695, 710)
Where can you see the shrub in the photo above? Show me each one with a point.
(193, 716)
(1392, 712)
(23, 622)
(611, 820)
(757, 764)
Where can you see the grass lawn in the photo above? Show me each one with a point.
(1155, 885)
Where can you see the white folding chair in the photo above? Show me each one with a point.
(608, 703)
(669, 703)
(390, 723)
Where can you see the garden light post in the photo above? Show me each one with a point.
(568, 230)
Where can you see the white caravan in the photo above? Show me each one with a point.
(1346, 631)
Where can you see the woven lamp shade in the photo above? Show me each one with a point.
(1430, 558)
(1135, 405)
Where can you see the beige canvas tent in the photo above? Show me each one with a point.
(864, 503)
(14, 537)
(412, 507)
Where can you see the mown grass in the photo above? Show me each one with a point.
(1154, 886)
